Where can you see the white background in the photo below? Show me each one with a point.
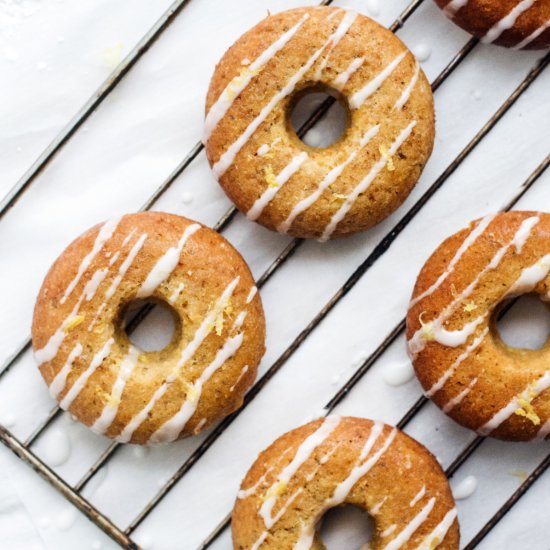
(53, 55)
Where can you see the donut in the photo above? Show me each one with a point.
(518, 24)
(345, 460)
(273, 176)
(464, 366)
(110, 384)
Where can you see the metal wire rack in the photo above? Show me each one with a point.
(123, 536)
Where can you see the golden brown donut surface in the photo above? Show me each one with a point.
(345, 460)
(275, 178)
(458, 355)
(518, 24)
(111, 385)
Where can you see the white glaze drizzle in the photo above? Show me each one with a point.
(458, 337)
(170, 430)
(202, 332)
(453, 6)
(304, 451)
(244, 370)
(103, 235)
(328, 180)
(120, 275)
(466, 244)
(452, 403)
(227, 158)
(376, 508)
(176, 294)
(531, 276)
(166, 264)
(251, 294)
(366, 182)
(418, 496)
(342, 79)
(387, 532)
(400, 103)
(465, 488)
(544, 431)
(439, 533)
(535, 34)
(80, 382)
(58, 383)
(269, 194)
(411, 527)
(507, 22)
(359, 97)
(528, 394)
(109, 412)
(458, 361)
(241, 81)
(347, 20)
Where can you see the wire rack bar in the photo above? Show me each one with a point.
(350, 283)
(27, 456)
(507, 506)
(91, 105)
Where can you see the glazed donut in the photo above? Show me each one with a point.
(518, 24)
(256, 155)
(458, 355)
(345, 460)
(107, 382)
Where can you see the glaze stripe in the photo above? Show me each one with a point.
(328, 180)
(400, 103)
(459, 398)
(507, 22)
(227, 158)
(534, 35)
(544, 431)
(304, 451)
(459, 360)
(359, 97)
(342, 79)
(240, 82)
(437, 536)
(58, 383)
(418, 496)
(166, 264)
(244, 370)
(411, 527)
(103, 235)
(80, 382)
(347, 20)
(202, 332)
(366, 182)
(108, 414)
(468, 242)
(272, 189)
(453, 6)
(170, 430)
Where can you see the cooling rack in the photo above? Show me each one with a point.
(502, 145)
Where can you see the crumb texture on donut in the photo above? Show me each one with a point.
(518, 24)
(274, 177)
(93, 369)
(345, 460)
(458, 355)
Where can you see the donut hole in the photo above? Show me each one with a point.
(149, 324)
(332, 124)
(523, 323)
(345, 526)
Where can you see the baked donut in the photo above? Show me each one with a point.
(518, 24)
(459, 357)
(345, 460)
(256, 155)
(107, 382)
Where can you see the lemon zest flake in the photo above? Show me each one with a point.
(270, 177)
(434, 543)
(526, 409)
(470, 307)
(73, 322)
(426, 329)
(276, 490)
(389, 160)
